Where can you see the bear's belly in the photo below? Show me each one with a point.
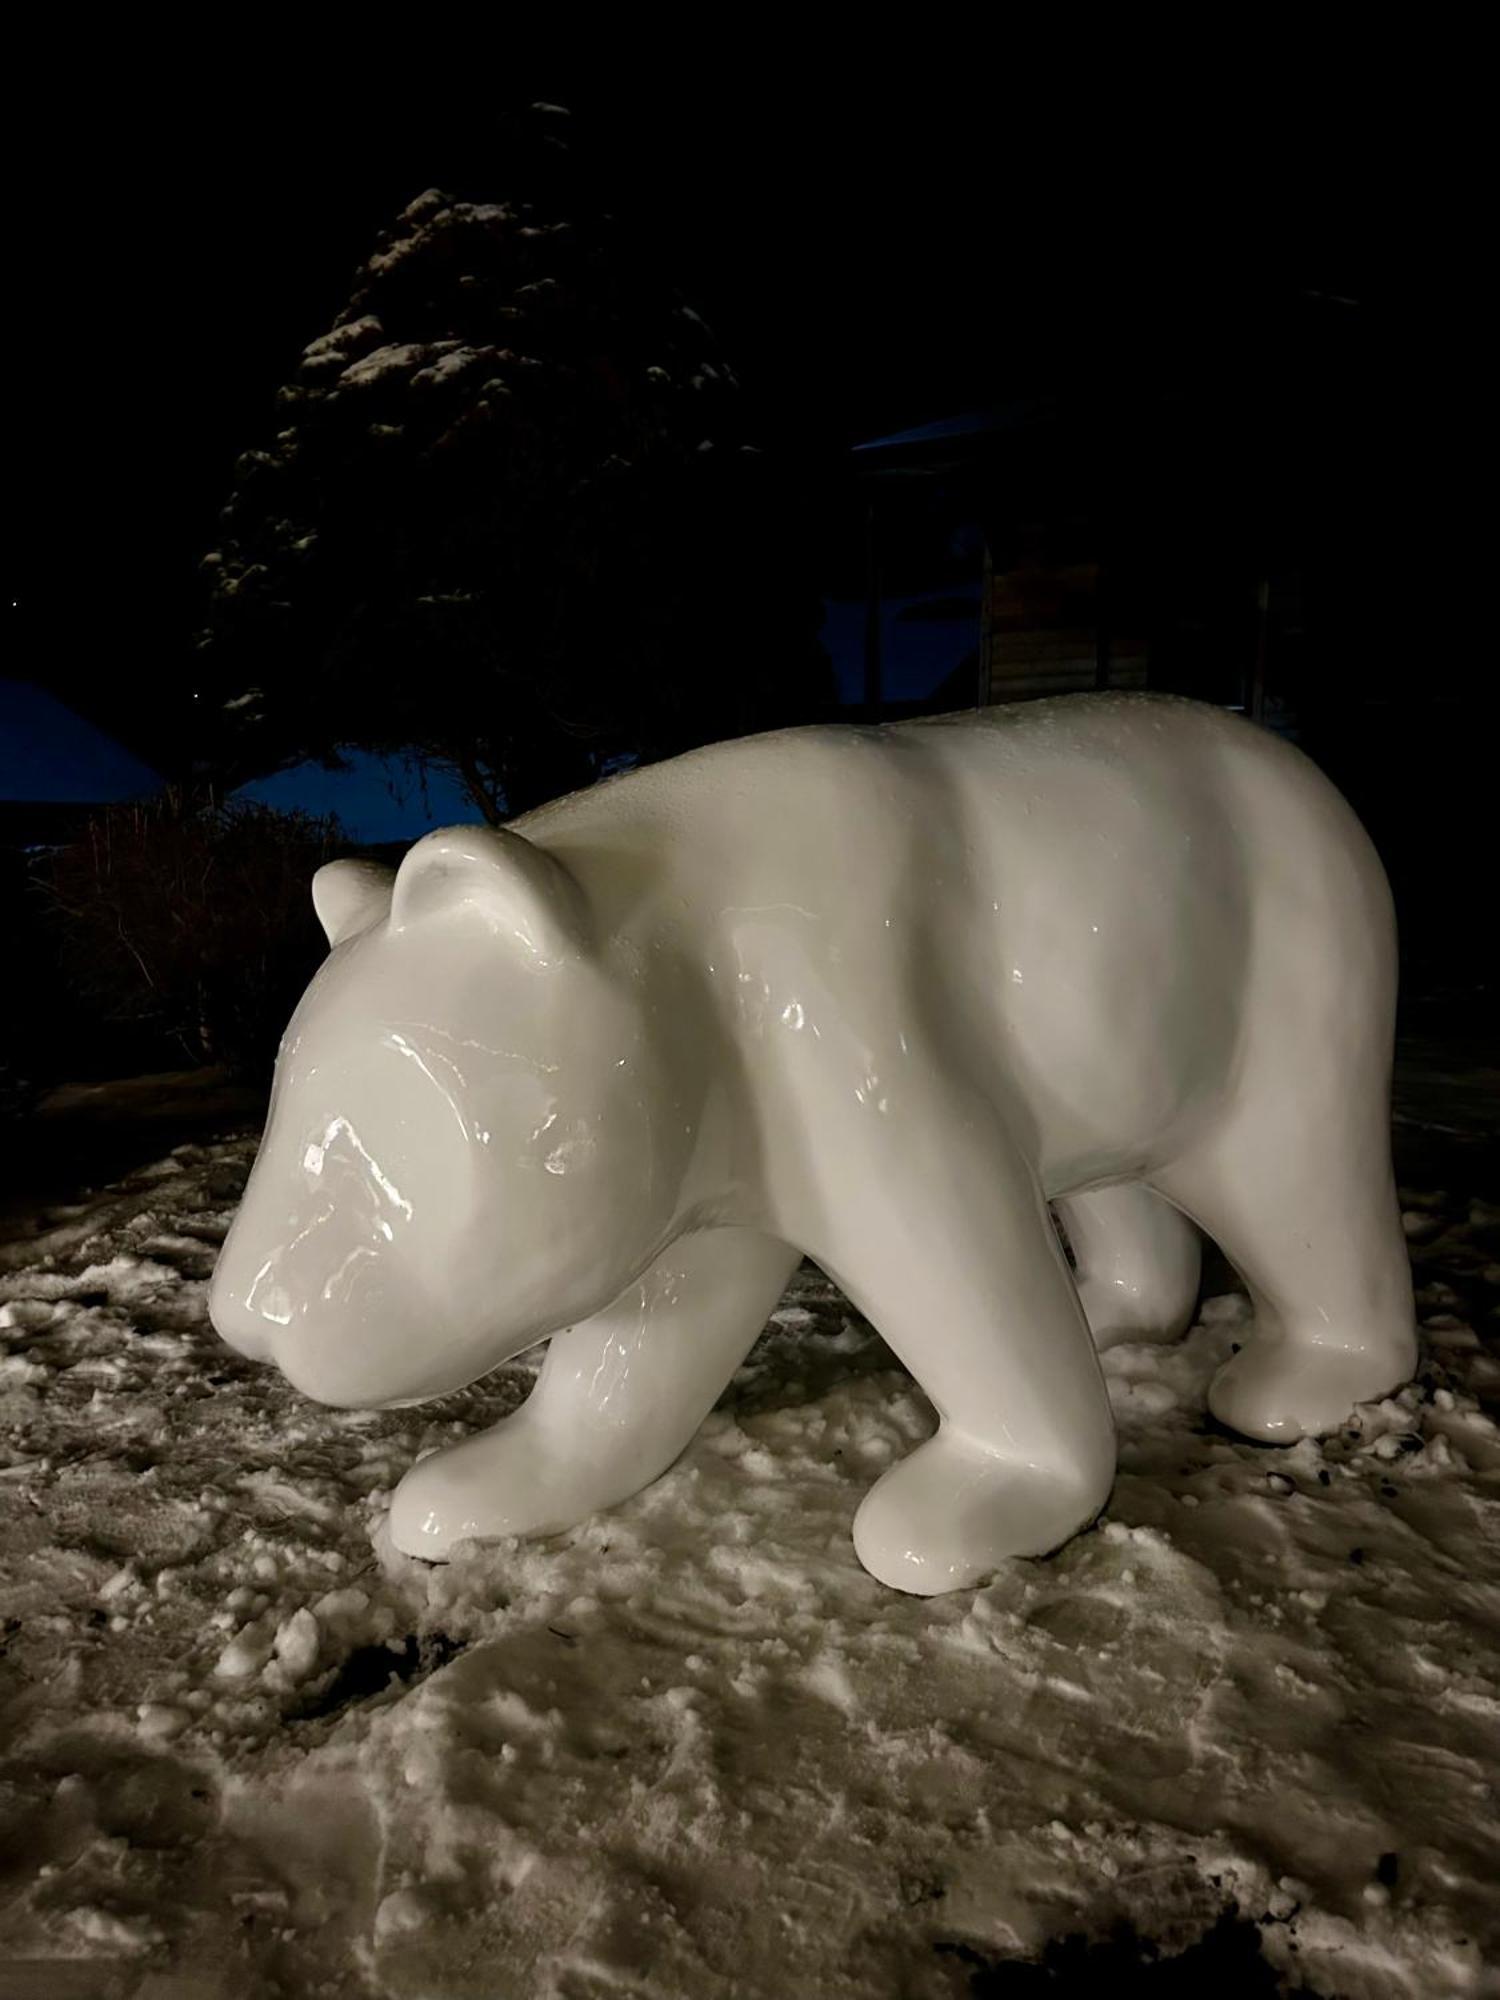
(1106, 1059)
(1098, 1048)
(903, 925)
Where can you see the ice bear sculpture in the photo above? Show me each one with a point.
(876, 996)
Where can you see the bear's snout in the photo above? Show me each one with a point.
(334, 1308)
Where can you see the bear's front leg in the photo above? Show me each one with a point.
(942, 1237)
(618, 1399)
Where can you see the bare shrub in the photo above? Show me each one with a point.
(194, 919)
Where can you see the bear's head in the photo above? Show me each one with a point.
(465, 1149)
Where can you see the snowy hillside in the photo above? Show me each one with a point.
(691, 1749)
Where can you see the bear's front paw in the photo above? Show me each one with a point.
(949, 1514)
(507, 1481)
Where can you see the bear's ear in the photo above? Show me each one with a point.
(349, 896)
(520, 890)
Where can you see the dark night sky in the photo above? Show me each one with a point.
(868, 257)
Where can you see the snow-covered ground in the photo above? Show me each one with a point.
(691, 1749)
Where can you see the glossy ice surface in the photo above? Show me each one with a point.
(875, 996)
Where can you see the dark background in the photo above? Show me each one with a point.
(873, 250)
(870, 255)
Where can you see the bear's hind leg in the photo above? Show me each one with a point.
(618, 1399)
(1137, 1263)
(1301, 1199)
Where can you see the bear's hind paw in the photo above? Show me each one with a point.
(1277, 1391)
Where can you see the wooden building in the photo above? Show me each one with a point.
(1149, 542)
